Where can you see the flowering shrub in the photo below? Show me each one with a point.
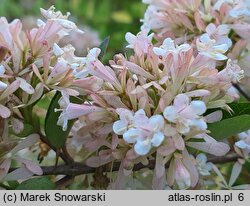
(164, 107)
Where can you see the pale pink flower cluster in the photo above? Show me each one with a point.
(205, 24)
(35, 55)
(31, 65)
(154, 104)
(188, 19)
(150, 105)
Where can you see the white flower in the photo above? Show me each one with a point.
(244, 142)
(81, 69)
(61, 19)
(168, 46)
(140, 130)
(219, 34)
(232, 72)
(58, 72)
(126, 118)
(151, 135)
(131, 135)
(79, 65)
(142, 147)
(52, 14)
(2, 69)
(92, 55)
(241, 9)
(186, 114)
(129, 120)
(58, 51)
(202, 165)
(2, 84)
(219, 3)
(153, 19)
(210, 48)
(140, 42)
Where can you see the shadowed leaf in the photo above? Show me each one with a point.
(42, 183)
(229, 127)
(54, 132)
(103, 46)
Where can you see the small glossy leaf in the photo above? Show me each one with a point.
(54, 132)
(240, 108)
(229, 127)
(42, 183)
(36, 121)
(27, 130)
(103, 46)
(13, 184)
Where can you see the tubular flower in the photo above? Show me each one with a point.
(140, 42)
(154, 103)
(32, 62)
(244, 142)
(203, 166)
(139, 129)
(210, 48)
(186, 114)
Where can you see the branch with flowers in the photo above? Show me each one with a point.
(161, 108)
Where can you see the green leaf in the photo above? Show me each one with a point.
(41, 183)
(27, 130)
(239, 108)
(103, 46)
(13, 184)
(229, 127)
(54, 132)
(36, 122)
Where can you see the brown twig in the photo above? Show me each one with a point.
(64, 182)
(75, 168)
(67, 155)
(62, 155)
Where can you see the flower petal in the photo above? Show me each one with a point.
(142, 147)
(157, 139)
(131, 135)
(120, 127)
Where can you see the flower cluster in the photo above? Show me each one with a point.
(154, 104)
(32, 65)
(33, 61)
(212, 27)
